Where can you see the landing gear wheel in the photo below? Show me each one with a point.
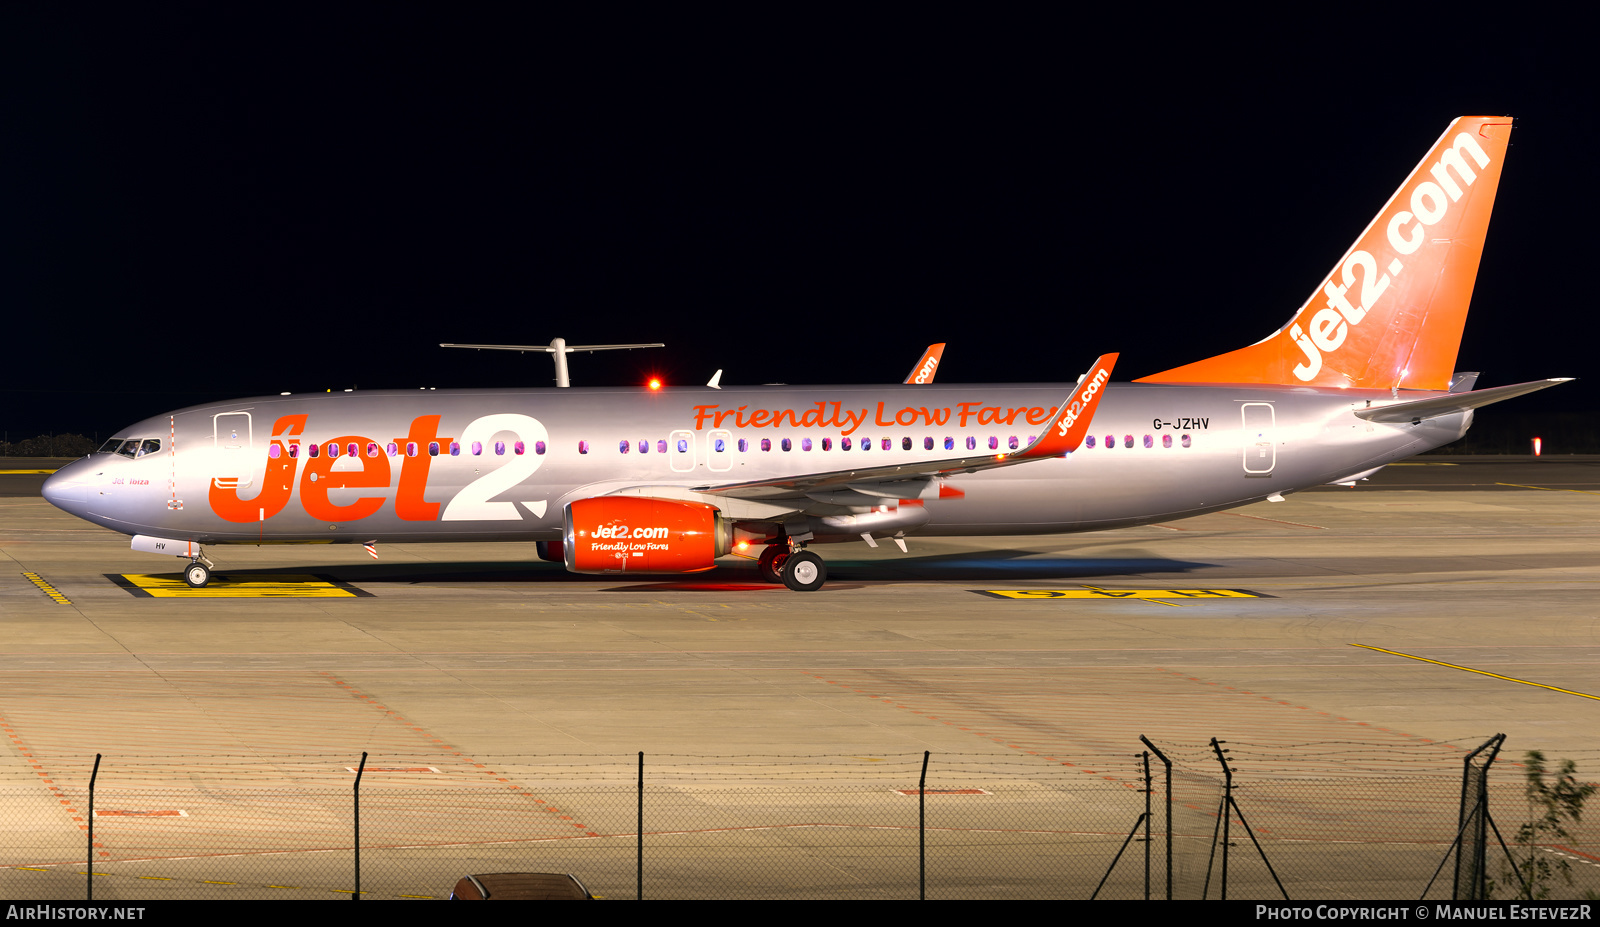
(770, 566)
(804, 572)
(196, 574)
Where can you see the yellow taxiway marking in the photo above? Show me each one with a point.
(47, 589)
(14, 472)
(1537, 685)
(233, 586)
(1550, 488)
(1092, 593)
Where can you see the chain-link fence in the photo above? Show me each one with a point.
(741, 827)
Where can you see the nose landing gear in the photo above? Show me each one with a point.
(198, 572)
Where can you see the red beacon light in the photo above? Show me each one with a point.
(655, 383)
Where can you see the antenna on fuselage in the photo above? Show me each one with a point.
(557, 347)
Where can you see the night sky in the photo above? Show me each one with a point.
(203, 202)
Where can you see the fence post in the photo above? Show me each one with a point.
(1147, 791)
(90, 854)
(1168, 764)
(1473, 821)
(1227, 812)
(638, 874)
(922, 831)
(356, 791)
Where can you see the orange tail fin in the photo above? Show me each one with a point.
(1390, 314)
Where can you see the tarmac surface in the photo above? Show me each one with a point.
(1389, 629)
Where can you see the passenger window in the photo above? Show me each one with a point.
(1011, 442)
(827, 444)
(313, 450)
(644, 447)
(844, 444)
(1127, 440)
(720, 445)
(333, 449)
(786, 444)
(661, 447)
(500, 448)
(1149, 441)
(743, 445)
(1185, 440)
(972, 443)
(1166, 440)
(888, 444)
(622, 446)
(927, 444)
(949, 444)
(433, 449)
(1089, 441)
(273, 451)
(1111, 441)
(583, 447)
(294, 451)
(411, 448)
(805, 444)
(905, 444)
(372, 449)
(538, 448)
(455, 448)
(519, 448)
(683, 445)
(477, 448)
(393, 449)
(866, 444)
(994, 443)
(354, 449)
(766, 444)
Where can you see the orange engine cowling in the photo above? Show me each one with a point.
(614, 534)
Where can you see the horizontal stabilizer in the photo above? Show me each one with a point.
(1420, 409)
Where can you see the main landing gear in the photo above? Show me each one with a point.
(799, 569)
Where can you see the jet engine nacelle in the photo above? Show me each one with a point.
(614, 534)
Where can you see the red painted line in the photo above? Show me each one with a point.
(1277, 520)
(39, 770)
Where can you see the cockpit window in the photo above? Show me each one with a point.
(110, 447)
(149, 446)
(129, 449)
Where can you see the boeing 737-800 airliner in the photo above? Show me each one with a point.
(666, 481)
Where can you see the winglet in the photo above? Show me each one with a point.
(1066, 431)
(923, 372)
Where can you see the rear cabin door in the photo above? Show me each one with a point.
(1260, 444)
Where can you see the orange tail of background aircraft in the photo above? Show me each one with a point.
(1390, 313)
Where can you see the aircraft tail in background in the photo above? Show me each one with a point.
(1390, 313)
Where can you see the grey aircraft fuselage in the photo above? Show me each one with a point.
(1156, 452)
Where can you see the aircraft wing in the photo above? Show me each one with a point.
(927, 365)
(1059, 437)
(1419, 409)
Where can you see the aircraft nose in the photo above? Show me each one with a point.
(68, 488)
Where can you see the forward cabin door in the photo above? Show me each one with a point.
(232, 438)
(1260, 444)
